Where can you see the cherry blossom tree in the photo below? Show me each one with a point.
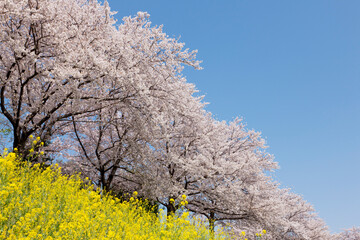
(348, 234)
(176, 161)
(289, 217)
(236, 164)
(115, 144)
(53, 64)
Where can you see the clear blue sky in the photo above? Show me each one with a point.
(292, 70)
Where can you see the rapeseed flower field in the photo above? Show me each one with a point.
(38, 203)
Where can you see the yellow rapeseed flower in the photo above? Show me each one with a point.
(40, 204)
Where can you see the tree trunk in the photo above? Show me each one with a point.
(170, 209)
(212, 222)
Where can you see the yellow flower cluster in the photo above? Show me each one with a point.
(182, 203)
(34, 151)
(183, 200)
(257, 235)
(43, 204)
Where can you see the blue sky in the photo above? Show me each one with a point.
(291, 70)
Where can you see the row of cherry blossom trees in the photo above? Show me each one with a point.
(111, 100)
